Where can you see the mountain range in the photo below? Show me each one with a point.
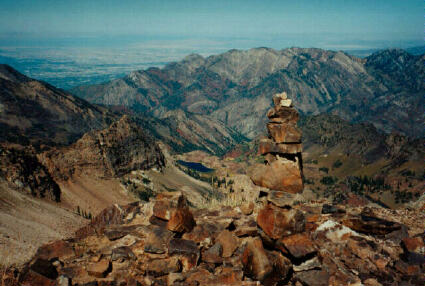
(64, 158)
(385, 88)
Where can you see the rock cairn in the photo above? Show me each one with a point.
(282, 168)
(164, 242)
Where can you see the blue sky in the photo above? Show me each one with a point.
(351, 20)
(74, 42)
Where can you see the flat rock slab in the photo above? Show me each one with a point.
(284, 133)
(100, 269)
(268, 146)
(281, 175)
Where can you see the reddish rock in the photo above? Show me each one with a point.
(32, 278)
(168, 202)
(59, 249)
(284, 133)
(255, 261)
(282, 114)
(247, 208)
(281, 199)
(202, 232)
(281, 268)
(267, 146)
(277, 222)
(100, 269)
(181, 220)
(228, 241)
(44, 267)
(186, 250)
(280, 175)
(226, 277)
(298, 245)
(414, 244)
(374, 226)
(199, 277)
(245, 227)
(157, 239)
(122, 253)
(313, 277)
(214, 254)
(160, 267)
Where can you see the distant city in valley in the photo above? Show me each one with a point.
(70, 62)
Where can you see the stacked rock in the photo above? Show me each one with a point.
(282, 149)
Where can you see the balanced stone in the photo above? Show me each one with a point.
(282, 168)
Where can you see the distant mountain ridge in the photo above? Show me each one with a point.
(386, 88)
(35, 113)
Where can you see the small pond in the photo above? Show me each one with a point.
(195, 166)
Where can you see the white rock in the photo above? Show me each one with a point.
(286, 102)
(282, 95)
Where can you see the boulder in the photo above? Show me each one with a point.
(59, 249)
(157, 239)
(166, 203)
(247, 208)
(181, 220)
(186, 250)
(160, 267)
(313, 277)
(268, 146)
(278, 222)
(281, 175)
(281, 268)
(214, 254)
(298, 245)
(414, 244)
(44, 267)
(100, 269)
(31, 278)
(284, 132)
(228, 241)
(286, 102)
(281, 114)
(278, 97)
(255, 261)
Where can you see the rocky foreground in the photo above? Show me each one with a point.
(277, 241)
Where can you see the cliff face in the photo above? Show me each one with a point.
(385, 89)
(112, 152)
(21, 168)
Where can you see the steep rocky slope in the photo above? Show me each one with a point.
(22, 170)
(112, 152)
(34, 112)
(385, 88)
(275, 242)
(185, 132)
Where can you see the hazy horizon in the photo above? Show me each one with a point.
(69, 43)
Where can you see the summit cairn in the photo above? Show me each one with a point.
(282, 168)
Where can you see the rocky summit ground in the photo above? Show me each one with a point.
(276, 241)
